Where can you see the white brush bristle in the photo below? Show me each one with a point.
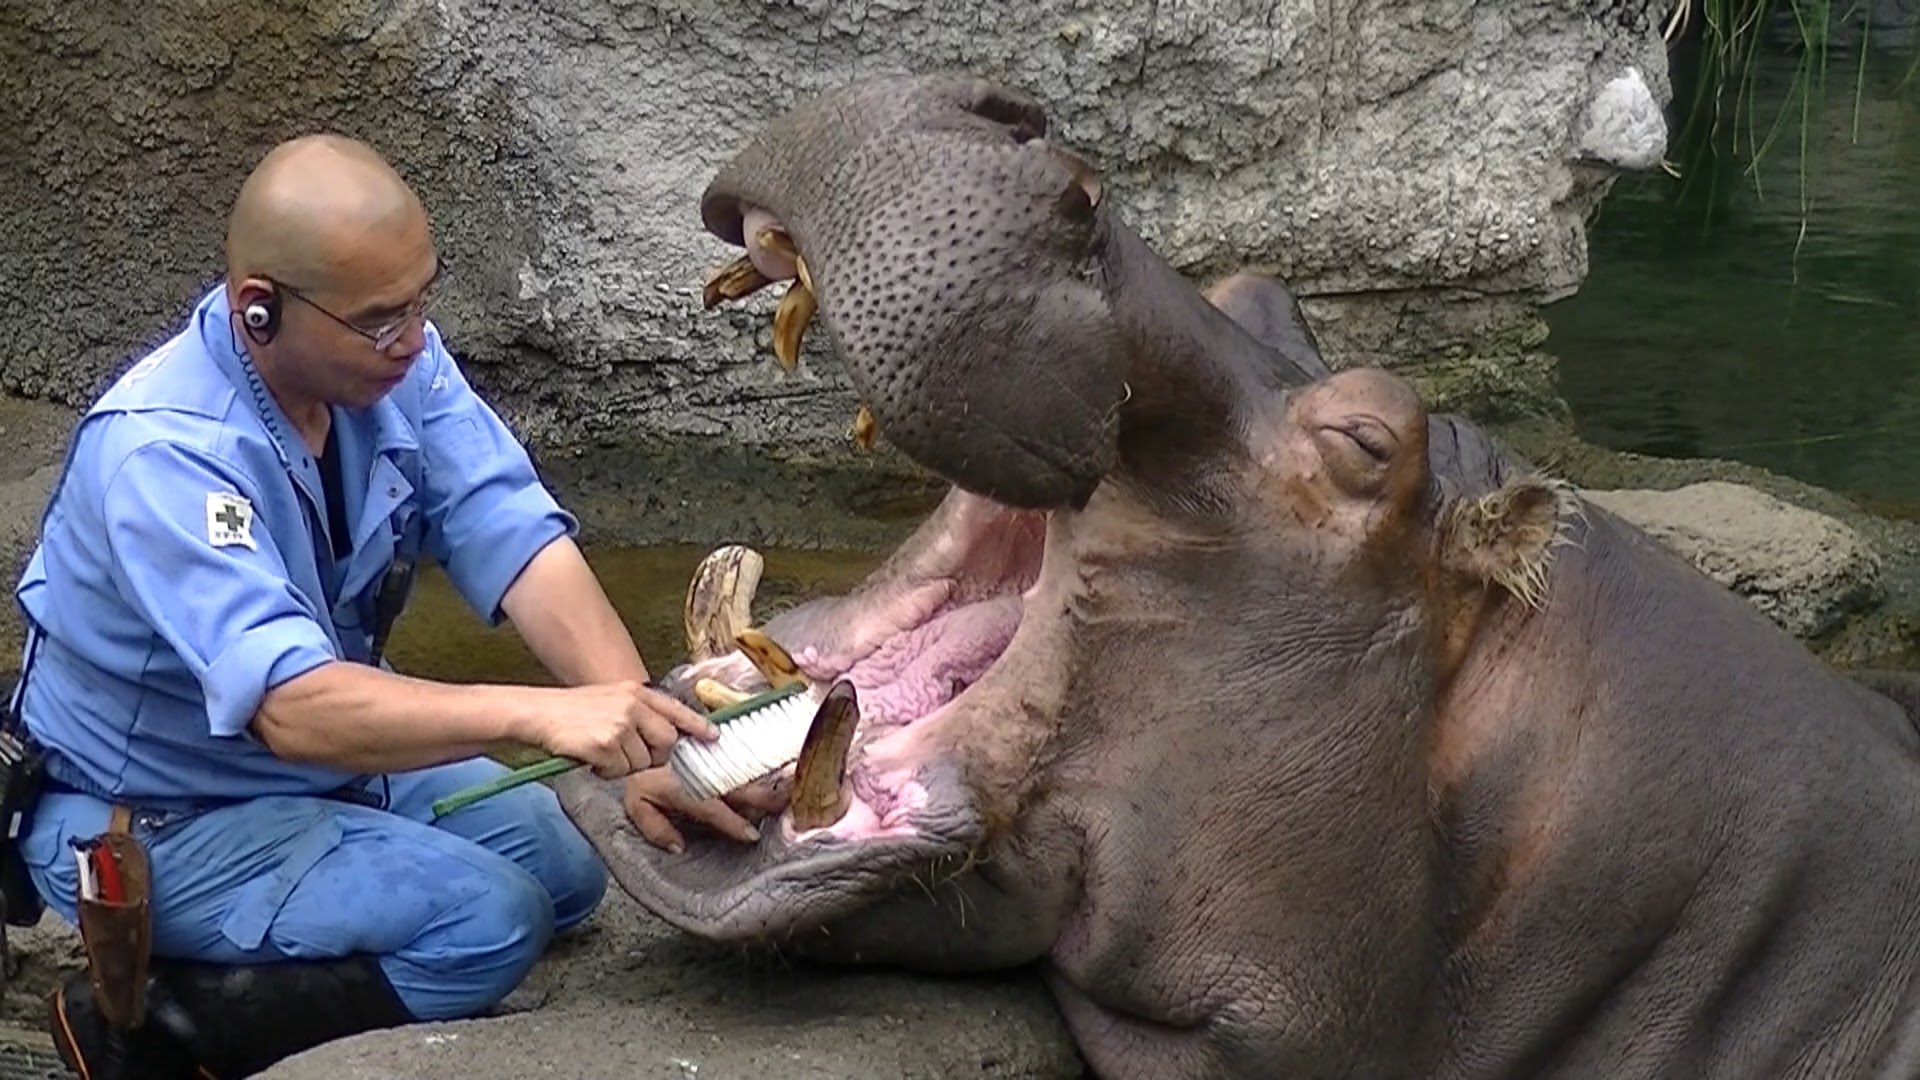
(749, 747)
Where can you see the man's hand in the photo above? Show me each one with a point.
(619, 728)
(650, 793)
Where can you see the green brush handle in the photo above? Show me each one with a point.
(554, 766)
(525, 774)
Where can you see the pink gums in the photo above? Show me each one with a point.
(908, 678)
(879, 810)
(910, 651)
(926, 667)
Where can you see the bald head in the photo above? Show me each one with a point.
(311, 209)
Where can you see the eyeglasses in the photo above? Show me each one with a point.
(384, 335)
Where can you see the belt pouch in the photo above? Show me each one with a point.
(118, 934)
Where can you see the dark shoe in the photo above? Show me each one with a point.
(94, 1051)
(224, 1022)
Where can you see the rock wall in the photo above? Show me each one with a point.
(1421, 169)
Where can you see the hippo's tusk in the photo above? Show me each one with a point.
(864, 428)
(790, 321)
(737, 279)
(821, 794)
(719, 600)
(774, 663)
(715, 694)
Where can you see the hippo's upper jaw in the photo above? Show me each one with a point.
(952, 251)
(1000, 322)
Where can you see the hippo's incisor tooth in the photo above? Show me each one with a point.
(731, 282)
(778, 242)
(864, 428)
(773, 662)
(715, 694)
(790, 321)
(719, 600)
(821, 795)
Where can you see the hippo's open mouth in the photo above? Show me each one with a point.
(930, 644)
(930, 647)
(910, 645)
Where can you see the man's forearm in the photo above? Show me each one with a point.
(363, 719)
(559, 609)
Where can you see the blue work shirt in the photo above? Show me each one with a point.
(185, 565)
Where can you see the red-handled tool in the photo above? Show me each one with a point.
(109, 875)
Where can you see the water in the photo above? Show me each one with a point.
(438, 637)
(1711, 326)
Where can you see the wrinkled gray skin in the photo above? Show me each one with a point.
(1332, 741)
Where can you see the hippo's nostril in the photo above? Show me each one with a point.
(1080, 196)
(1022, 115)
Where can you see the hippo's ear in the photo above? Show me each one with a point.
(1265, 308)
(1505, 538)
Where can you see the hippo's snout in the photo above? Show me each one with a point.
(952, 251)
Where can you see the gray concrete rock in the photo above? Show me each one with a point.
(1422, 171)
(1804, 570)
(35, 434)
(632, 999)
(1626, 126)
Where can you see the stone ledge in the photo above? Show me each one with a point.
(634, 999)
(1804, 570)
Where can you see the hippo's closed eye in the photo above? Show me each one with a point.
(1376, 438)
(1358, 451)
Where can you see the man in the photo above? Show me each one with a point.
(202, 609)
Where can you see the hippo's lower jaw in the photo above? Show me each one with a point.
(932, 646)
(724, 891)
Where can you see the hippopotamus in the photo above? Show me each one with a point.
(1284, 727)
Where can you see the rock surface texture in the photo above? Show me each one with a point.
(636, 1000)
(1421, 170)
(1804, 570)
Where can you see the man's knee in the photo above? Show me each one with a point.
(527, 825)
(478, 951)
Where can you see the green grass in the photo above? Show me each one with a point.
(1727, 126)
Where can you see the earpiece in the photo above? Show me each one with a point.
(262, 318)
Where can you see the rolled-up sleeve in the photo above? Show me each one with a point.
(228, 609)
(488, 514)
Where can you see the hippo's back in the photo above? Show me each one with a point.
(1729, 876)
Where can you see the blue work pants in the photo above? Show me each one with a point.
(458, 910)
